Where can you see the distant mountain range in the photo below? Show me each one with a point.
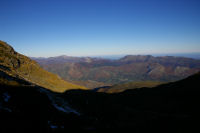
(98, 72)
(17, 69)
(29, 101)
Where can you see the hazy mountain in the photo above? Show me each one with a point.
(15, 68)
(130, 68)
(63, 59)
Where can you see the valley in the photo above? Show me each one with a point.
(99, 72)
(32, 99)
(97, 66)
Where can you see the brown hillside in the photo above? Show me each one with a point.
(20, 66)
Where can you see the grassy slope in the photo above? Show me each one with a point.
(131, 85)
(17, 65)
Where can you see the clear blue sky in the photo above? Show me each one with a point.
(100, 27)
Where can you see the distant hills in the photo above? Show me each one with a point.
(98, 72)
(17, 69)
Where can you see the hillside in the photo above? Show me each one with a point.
(14, 65)
(168, 108)
(126, 86)
(131, 68)
(34, 109)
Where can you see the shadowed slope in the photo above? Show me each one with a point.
(169, 108)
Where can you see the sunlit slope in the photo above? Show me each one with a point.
(131, 85)
(20, 66)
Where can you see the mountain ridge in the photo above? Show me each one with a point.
(22, 67)
(130, 68)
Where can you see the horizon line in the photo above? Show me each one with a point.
(118, 55)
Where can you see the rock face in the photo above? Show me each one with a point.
(15, 65)
(127, 69)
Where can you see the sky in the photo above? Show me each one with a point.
(44, 28)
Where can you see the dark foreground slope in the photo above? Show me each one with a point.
(34, 109)
(173, 107)
(167, 108)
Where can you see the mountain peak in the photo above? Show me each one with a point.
(136, 57)
(6, 47)
(2, 43)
